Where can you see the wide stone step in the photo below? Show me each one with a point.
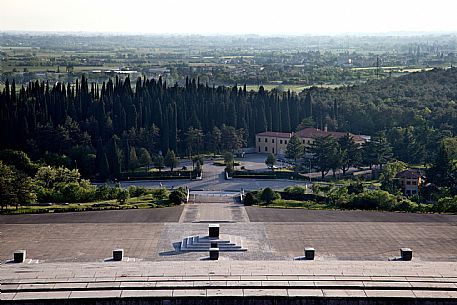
(363, 287)
(200, 244)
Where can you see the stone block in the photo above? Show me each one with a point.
(213, 230)
(19, 256)
(214, 254)
(406, 254)
(309, 253)
(118, 254)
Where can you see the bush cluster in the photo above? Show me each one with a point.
(343, 198)
(178, 196)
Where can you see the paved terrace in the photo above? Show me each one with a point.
(68, 255)
(282, 280)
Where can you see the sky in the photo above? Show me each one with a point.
(267, 17)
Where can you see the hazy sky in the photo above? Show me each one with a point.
(229, 17)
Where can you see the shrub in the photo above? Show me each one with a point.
(137, 191)
(355, 188)
(406, 205)
(446, 205)
(268, 195)
(178, 196)
(122, 196)
(250, 199)
(295, 190)
(162, 193)
(375, 200)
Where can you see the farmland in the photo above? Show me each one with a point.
(284, 63)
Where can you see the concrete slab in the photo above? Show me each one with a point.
(48, 295)
(95, 294)
(147, 293)
(344, 293)
(390, 293)
(305, 293)
(224, 292)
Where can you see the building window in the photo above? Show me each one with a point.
(259, 148)
(266, 148)
(303, 141)
(414, 183)
(280, 141)
(413, 192)
(285, 141)
(259, 139)
(273, 150)
(309, 142)
(266, 140)
(408, 182)
(272, 140)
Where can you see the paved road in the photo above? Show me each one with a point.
(214, 180)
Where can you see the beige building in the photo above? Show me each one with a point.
(410, 181)
(272, 142)
(276, 142)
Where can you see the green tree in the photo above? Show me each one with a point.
(19, 160)
(377, 151)
(270, 161)
(228, 158)
(214, 140)
(104, 167)
(325, 154)
(229, 162)
(350, 152)
(388, 176)
(50, 177)
(170, 160)
(194, 140)
(231, 138)
(159, 163)
(7, 178)
(178, 196)
(268, 195)
(114, 157)
(294, 149)
(443, 171)
(133, 159)
(307, 122)
(122, 196)
(144, 158)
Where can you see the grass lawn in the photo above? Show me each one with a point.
(222, 163)
(296, 204)
(142, 202)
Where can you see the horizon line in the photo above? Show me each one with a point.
(228, 34)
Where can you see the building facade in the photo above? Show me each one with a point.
(276, 142)
(410, 181)
(272, 142)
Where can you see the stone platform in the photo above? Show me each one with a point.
(406, 282)
(67, 257)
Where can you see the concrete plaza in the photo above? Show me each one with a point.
(69, 256)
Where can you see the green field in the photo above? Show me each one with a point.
(293, 88)
(142, 202)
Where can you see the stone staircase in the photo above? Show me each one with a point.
(225, 243)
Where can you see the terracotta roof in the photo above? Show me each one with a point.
(409, 174)
(315, 133)
(275, 134)
(310, 133)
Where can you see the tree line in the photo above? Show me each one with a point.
(113, 127)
